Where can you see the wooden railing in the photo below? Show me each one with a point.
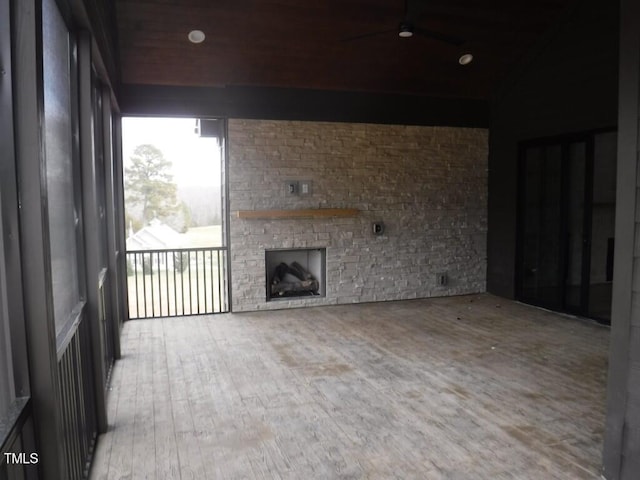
(77, 403)
(178, 282)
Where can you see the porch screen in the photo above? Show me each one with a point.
(59, 158)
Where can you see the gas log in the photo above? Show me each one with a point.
(293, 279)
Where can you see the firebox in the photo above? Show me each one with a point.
(295, 273)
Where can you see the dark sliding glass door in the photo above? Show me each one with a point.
(540, 225)
(576, 240)
(566, 223)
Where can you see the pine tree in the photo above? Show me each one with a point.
(149, 183)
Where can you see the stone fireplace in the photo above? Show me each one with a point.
(428, 185)
(295, 273)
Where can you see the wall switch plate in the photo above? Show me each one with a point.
(292, 187)
(305, 187)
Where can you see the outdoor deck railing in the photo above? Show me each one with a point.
(77, 402)
(178, 282)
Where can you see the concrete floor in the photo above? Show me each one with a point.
(472, 387)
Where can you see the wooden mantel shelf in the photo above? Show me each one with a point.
(298, 213)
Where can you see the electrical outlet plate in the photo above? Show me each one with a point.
(305, 187)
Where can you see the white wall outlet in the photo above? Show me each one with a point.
(305, 187)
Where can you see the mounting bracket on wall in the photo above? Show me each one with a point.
(292, 187)
(378, 228)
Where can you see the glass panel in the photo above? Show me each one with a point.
(549, 288)
(531, 221)
(542, 215)
(58, 128)
(603, 225)
(574, 240)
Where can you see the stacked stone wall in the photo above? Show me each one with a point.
(428, 185)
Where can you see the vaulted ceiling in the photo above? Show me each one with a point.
(309, 44)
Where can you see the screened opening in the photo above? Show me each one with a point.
(175, 216)
(60, 158)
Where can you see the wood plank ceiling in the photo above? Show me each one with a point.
(301, 44)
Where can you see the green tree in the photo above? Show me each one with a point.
(149, 184)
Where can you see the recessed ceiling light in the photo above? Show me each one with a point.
(465, 59)
(196, 36)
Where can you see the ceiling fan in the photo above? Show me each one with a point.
(407, 28)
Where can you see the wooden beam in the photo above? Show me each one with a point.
(267, 103)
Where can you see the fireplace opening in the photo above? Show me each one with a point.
(298, 272)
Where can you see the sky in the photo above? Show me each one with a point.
(196, 161)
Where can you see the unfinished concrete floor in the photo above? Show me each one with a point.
(471, 387)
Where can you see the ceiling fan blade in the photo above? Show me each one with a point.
(439, 36)
(367, 35)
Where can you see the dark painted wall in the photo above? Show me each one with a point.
(567, 83)
(270, 103)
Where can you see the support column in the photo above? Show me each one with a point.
(621, 458)
(34, 237)
(94, 243)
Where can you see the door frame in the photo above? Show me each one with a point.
(564, 141)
